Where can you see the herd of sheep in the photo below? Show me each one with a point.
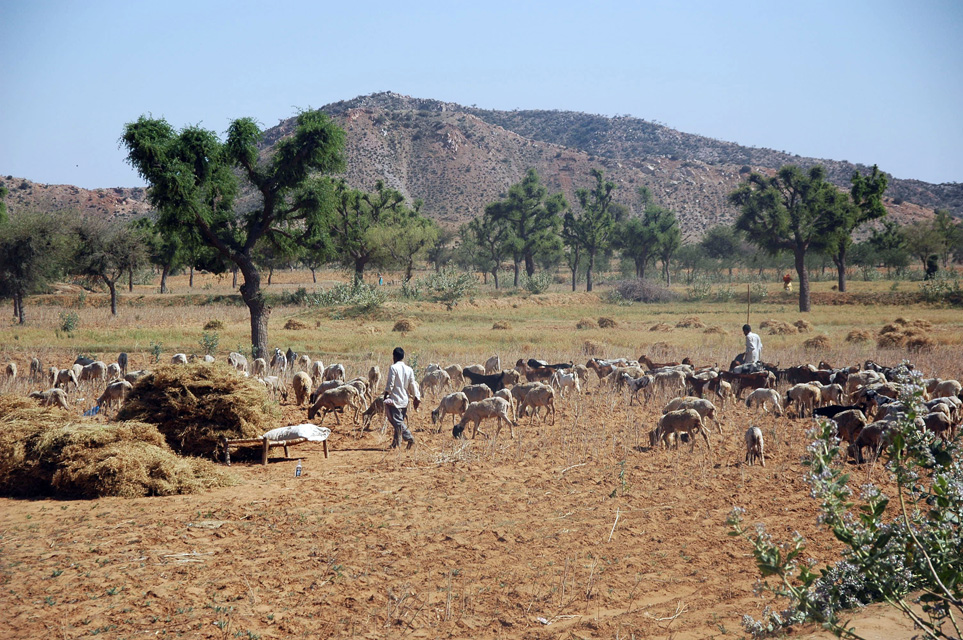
(862, 401)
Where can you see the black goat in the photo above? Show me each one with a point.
(494, 381)
(830, 410)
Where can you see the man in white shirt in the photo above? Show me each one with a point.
(753, 345)
(399, 386)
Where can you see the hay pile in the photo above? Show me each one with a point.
(859, 336)
(607, 323)
(593, 348)
(818, 343)
(404, 325)
(690, 322)
(293, 324)
(662, 326)
(213, 325)
(195, 405)
(778, 327)
(718, 331)
(47, 452)
(902, 333)
(586, 323)
(501, 325)
(803, 326)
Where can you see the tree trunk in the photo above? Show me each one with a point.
(254, 299)
(574, 276)
(16, 307)
(409, 267)
(270, 276)
(234, 282)
(112, 286)
(18, 300)
(192, 277)
(130, 280)
(164, 273)
(840, 260)
(495, 277)
(359, 270)
(314, 276)
(588, 272)
(804, 303)
(665, 270)
(529, 265)
(516, 273)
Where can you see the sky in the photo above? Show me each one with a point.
(873, 82)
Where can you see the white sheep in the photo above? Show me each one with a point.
(483, 410)
(507, 395)
(435, 381)
(334, 400)
(258, 367)
(476, 368)
(668, 383)
(755, 449)
(725, 392)
(179, 358)
(275, 384)
(66, 377)
(36, 370)
(208, 358)
(51, 398)
(805, 396)
(333, 372)
(947, 388)
(454, 372)
(237, 361)
(374, 378)
(454, 404)
(862, 379)
(11, 370)
(830, 394)
(304, 363)
(493, 365)
(324, 386)
(541, 395)
(114, 394)
(113, 371)
(302, 387)
(683, 421)
(317, 371)
(96, 370)
(52, 375)
(477, 392)
(566, 382)
(764, 398)
(362, 386)
(705, 408)
(279, 362)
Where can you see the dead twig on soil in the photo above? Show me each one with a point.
(617, 512)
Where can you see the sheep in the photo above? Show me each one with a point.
(179, 358)
(362, 386)
(435, 382)
(939, 423)
(275, 385)
(317, 371)
(333, 372)
(208, 358)
(114, 393)
(615, 379)
(805, 396)
(830, 394)
(77, 369)
(238, 361)
(493, 364)
(454, 404)
(134, 376)
(705, 408)
(566, 382)
(764, 398)
(324, 386)
(302, 387)
(258, 367)
(668, 441)
(279, 362)
(122, 363)
(666, 382)
(534, 373)
(724, 391)
(519, 391)
(638, 384)
(432, 366)
(600, 367)
(374, 378)
(540, 396)
(507, 395)
(755, 448)
(96, 370)
(303, 363)
(849, 423)
(334, 399)
(83, 361)
(65, 377)
(454, 372)
(11, 370)
(683, 421)
(475, 368)
(581, 372)
(477, 392)
(874, 436)
(51, 398)
(36, 370)
(52, 375)
(862, 379)
(947, 388)
(377, 407)
(484, 409)
(113, 371)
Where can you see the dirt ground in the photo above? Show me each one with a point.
(571, 530)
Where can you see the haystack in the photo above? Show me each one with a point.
(719, 331)
(818, 343)
(690, 322)
(890, 340)
(404, 325)
(920, 342)
(48, 452)
(662, 326)
(593, 348)
(859, 335)
(293, 324)
(803, 326)
(196, 405)
(779, 328)
(586, 323)
(213, 325)
(501, 325)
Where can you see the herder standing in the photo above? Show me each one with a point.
(401, 383)
(753, 345)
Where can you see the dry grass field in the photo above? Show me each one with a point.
(571, 530)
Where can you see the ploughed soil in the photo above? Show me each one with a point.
(571, 530)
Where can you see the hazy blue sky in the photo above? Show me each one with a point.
(866, 81)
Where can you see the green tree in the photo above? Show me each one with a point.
(950, 231)
(33, 247)
(923, 240)
(534, 218)
(641, 238)
(164, 250)
(866, 205)
(670, 240)
(194, 177)
(592, 229)
(3, 203)
(724, 244)
(790, 211)
(888, 246)
(355, 222)
(492, 237)
(108, 251)
(404, 237)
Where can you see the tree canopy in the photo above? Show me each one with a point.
(591, 230)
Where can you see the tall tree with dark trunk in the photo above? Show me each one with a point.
(534, 218)
(491, 238)
(790, 211)
(356, 221)
(592, 229)
(33, 248)
(193, 183)
(866, 205)
(108, 251)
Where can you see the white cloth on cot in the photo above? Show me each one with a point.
(310, 431)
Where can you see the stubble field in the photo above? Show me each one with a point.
(571, 530)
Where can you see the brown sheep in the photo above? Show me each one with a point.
(334, 400)
(755, 448)
(114, 394)
(540, 396)
(454, 404)
(51, 398)
(302, 387)
(478, 411)
(684, 421)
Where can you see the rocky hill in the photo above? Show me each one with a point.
(458, 159)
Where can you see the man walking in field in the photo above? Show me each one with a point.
(753, 345)
(399, 388)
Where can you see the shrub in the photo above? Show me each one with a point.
(537, 283)
(913, 547)
(586, 323)
(644, 291)
(69, 320)
(362, 297)
(449, 286)
(209, 342)
(404, 325)
(213, 325)
(700, 289)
